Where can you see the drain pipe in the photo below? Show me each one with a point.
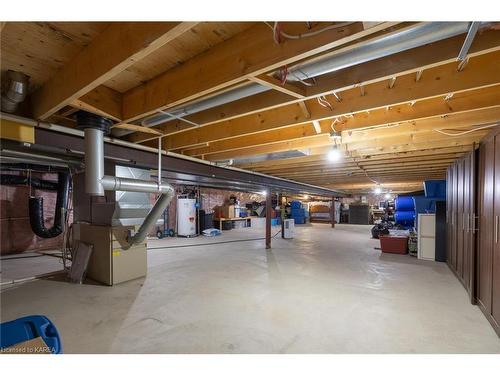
(95, 127)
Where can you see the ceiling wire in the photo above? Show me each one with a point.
(278, 32)
(465, 132)
(361, 167)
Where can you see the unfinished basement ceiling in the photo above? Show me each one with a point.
(393, 112)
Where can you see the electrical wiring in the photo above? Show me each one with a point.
(278, 32)
(465, 132)
(284, 74)
(324, 102)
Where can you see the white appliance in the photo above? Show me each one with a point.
(288, 228)
(426, 232)
(186, 216)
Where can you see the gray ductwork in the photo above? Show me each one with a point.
(96, 182)
(14, 90)
(395, 42)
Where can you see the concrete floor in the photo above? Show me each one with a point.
(327, 291)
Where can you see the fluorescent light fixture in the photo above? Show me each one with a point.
(378, 190)
(264, 193)
(388, 196)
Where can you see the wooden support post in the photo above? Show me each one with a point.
(332, 212)
(269, 210)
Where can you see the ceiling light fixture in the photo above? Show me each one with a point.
(335, 154)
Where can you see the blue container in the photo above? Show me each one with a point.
(275, 221)
(406, 218)
(299, 220)
(404, 204)
(30, 327)
(295, 204)
(299, 212)
(435, 189)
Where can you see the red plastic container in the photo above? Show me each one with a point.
(394, 244)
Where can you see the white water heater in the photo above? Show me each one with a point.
(288, 228)
(186, 216)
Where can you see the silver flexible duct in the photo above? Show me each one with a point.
(398, 41)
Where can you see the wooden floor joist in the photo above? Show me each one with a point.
(407, 62)
(481, 72)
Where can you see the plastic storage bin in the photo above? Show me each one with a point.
(394, 244)
(30, 327)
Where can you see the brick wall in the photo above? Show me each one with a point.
(16, 235)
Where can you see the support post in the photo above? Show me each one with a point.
(332, 212)
(269, 210)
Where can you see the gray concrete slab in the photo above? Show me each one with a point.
(327, 291)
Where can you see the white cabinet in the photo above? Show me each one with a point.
(426, 236)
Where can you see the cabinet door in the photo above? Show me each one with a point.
(449, 210)
(454, 218)
(466, 217)
(485, 251)
(495, 309)
(460, 218)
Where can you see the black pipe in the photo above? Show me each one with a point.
(37, 183)
(36, 210)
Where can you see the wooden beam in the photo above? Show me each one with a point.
(409, 134)
(388, 160)
(314, 159)
(406, 166)
(407, 62)
(102, 101)
(248, 54)
(481, 72)
(119, 46)
(137, 128)
(478, 105)
(286, 88)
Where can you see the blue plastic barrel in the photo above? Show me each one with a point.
(404, 204)
(406, 218)
(30, 327)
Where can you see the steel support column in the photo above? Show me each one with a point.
(269, 210)
(332, 212)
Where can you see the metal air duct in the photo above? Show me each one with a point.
(14, 91)
(96, 182)
(395, 42)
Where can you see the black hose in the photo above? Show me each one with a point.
(37, 183)
(37, 221)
